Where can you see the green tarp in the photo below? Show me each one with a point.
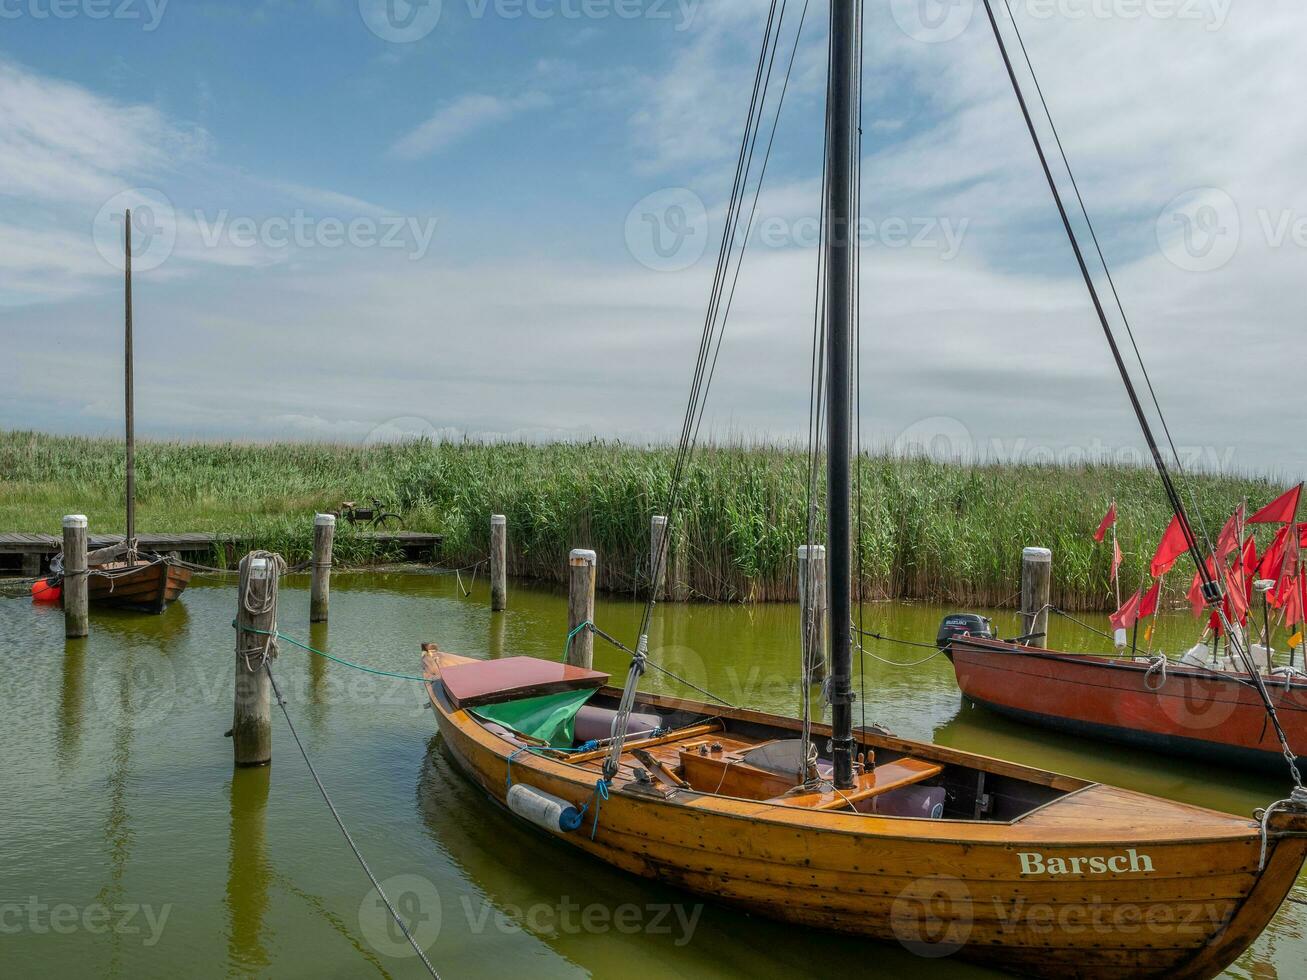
(550, 717)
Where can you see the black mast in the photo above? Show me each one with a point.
(841, 104)
(128, 394)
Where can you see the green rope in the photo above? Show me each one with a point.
(304, 646)
(567, 647)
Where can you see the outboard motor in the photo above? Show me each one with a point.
(963, 624)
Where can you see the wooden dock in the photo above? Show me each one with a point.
(29, 554)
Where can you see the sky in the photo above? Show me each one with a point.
(360, 220)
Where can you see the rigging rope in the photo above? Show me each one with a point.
(341, 824)
(715, 321)
(1212, 591)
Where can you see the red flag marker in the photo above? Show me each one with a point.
(1228, 542)
(1172, 546)
(1282, 510)
(1128, 614)
(1109, 519)
(1148, 607)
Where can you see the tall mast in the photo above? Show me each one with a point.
(128, 385)
(841, 105)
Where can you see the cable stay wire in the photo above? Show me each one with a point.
(1111, 281)
(1212, 591)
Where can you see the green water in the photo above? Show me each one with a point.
(130, 848)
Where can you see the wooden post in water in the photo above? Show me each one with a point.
(77, 621)
(324, 533)
(1036, 585)
(812, 611)
(658, 546)
(251, 727)
(581, 607)
(498, 562)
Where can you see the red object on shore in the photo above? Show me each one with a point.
(46, 590)
(1186, 711)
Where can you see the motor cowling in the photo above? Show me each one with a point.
(963, 624)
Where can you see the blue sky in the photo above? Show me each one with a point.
(518, 160)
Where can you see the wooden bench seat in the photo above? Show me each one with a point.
(884, 778)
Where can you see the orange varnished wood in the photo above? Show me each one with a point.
(1198, 902)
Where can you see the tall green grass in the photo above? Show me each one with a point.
(929, 530)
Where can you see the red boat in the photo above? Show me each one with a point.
(1184, 710)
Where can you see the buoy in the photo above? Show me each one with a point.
(47, 590)
(543, 809)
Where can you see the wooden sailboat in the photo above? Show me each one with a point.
(855, 830)
(1028, 870)
(120, 575)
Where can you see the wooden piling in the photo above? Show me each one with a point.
(77, 620)
(658, 546)
(324, 533)
(498, 562)
(581, 607)
(1036, 586)
(251, 728)
(812, 610)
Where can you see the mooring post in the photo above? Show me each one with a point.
(256, 617)
(324, 533)
(498, 562)
(1036, 584)
(658, 546)
(581, 607)
(77, 621)
(812, 610)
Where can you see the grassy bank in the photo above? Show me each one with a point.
(930, 530)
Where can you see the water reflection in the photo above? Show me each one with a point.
(72, 695)
(248, 871)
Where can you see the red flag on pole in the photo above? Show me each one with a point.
(1228, 541)
(1195, 594)
(1148, 607)
(1273, 558)
(1172, 546)
(1127, 615)
(1293, 604)
(1116, 560)
(1282, 510)
(1109, 519)
(1236, 592)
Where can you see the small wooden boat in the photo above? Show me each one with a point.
(1185, 710)
(941, 850)
(146, 584)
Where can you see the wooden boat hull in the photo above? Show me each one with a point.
(1160, 888)
(147, 586)
(1187, 712)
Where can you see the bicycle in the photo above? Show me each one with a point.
(375, 516)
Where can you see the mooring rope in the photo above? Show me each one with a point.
(341, 824)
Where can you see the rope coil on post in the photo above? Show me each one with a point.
(258, 597)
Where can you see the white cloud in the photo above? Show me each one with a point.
(459, 118)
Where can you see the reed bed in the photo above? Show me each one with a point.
(930, 530)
